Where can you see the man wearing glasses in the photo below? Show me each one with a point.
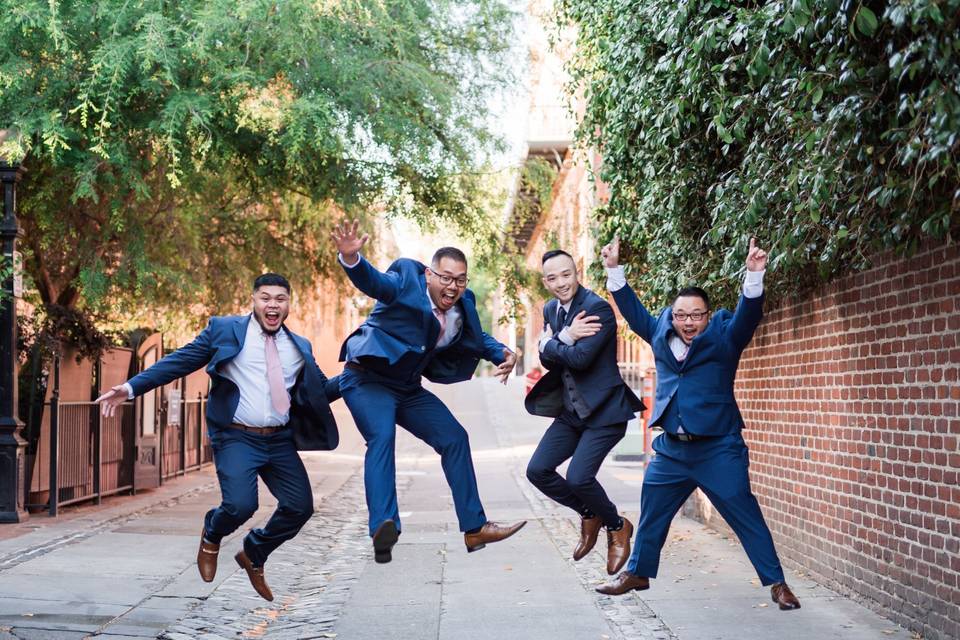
(424, 324)
(697, 353)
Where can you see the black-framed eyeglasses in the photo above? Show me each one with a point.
(696, 316)
(448, 280)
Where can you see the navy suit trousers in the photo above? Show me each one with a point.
(240, 457)
(569, 437)
(718, 466)
(378, 406)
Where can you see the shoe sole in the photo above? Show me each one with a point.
(384, 538)
(623, 592)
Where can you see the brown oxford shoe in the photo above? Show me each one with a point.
(491, 532)
(207, 559)
(589, 528)
(618, 547)
(255, 574)
(781, 594)
(623, 583)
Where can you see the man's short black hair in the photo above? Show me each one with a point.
(553, 253)
(695, 292)
(271, 280)
(448, 252)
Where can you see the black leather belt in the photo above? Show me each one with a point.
(686, 437)
(264, 431)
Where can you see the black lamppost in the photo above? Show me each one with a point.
(12, 445)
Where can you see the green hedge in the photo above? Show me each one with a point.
(828, 129)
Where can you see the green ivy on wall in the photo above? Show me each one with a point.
(828, 129)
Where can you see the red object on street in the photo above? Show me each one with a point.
(532, 377)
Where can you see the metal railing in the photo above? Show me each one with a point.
(89, 456)
(185, 446)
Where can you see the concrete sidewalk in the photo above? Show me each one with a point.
(127, 570)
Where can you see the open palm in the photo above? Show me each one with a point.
(348, 242)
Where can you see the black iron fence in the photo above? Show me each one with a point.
(81, 455)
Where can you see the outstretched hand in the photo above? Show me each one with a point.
(611, 253)
(348, 244)
(756, 257)
(111, 400)
(504, 369)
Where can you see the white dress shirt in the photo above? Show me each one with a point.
(248, 370)
(454, 321)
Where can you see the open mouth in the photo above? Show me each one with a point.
(689, 333)
(448, 299)
(272, 317)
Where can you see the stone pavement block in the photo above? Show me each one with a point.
(90, 588)
(393, 622)
(539, 622)
(24, 633)
(115, 555)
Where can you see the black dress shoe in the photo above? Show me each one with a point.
(384, 538)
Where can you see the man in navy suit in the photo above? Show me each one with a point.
(268, 398)
(697, 353)
(590, 402)
(424, 324)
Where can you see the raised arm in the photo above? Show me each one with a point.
(632, 310)
(379, 286)
(181, 362)
(749, 311)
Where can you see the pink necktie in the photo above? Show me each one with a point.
(442, 318)
(278, 392)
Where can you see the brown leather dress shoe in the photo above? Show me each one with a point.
(207, 559)
(491, 532)
(623, 583)
(784, 598)
(589, 528)
(618, 547)
(255, 574)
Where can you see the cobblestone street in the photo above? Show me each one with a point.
(127, 570)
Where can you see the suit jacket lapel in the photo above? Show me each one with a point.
(240, 334)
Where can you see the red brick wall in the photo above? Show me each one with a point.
(851, 400)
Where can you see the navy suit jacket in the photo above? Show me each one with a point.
(701, 385)
(402, 324)
(592, 362)
(310, 416)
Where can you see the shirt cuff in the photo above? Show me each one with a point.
(348, 266)
(565, 337)
(753, 284)
(615, 278)
(126, 385)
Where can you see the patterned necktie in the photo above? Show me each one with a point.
(442, 318)
(278, 392)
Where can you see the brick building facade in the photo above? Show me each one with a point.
(851, 400)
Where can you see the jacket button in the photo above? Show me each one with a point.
(422, 348)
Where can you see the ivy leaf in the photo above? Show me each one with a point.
(866, 21)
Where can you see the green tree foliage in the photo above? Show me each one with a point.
(176, 147)
(827, 128)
